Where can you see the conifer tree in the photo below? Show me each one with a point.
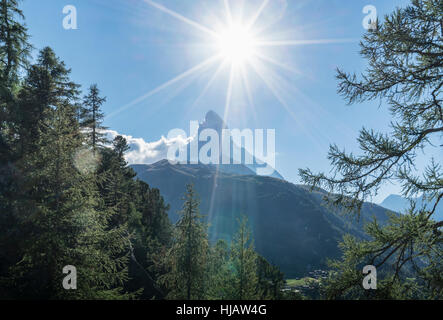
(187, 258)
(46, 86)
(219, 273)
(14, 50)
(92, 117)
(152, 236)
(56, 208)
(405, 71)
(14, 45)
(57, 211)
(270, 280)
(244, 262)
(116, 180)
(143, 211)
(14, 54)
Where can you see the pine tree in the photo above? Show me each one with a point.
(115, 180)
(57, 208)
(270, 280)
(187, 258)
(14, 54)
(46, 86)
(152, 236)
(92, 118)
(404, 55)
(244, 262)
(14, 46)
(14, 50)
(219, 273)
(61, 203)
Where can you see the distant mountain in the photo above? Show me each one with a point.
(395, 203)
(215, 122)
(401, 205)
(292, 226)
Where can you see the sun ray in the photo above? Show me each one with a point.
(167, 84)
(317, 111)
(228, 11)
(246, 84)
(282, 43)
(274, 91)
(229, 94)
(248, 91)
(238, 45)
(300, 124)
(208, 85)
(257, 14)
(277, 63)
(181, 18)
(213, 194)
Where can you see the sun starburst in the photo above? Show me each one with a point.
(237, 46)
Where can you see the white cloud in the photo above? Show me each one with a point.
(142, 152)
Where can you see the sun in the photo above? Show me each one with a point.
(236, 44)
(242, 42)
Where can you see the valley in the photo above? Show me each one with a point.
(293, 228)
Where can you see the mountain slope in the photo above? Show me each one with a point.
(214, 122)
(401, 205)
(292, 226)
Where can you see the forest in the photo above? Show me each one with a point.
(69, 198)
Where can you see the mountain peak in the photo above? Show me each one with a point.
(213, 121)
(212, 115)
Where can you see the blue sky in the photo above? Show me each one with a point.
(129, 48)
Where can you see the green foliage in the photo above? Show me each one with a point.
(395, 261)
(57, 207)
(197, 270)
(244, 263)
(270, 280)
(404, 56)
(13, 55)
(14, 46)
(187, 258)
(287, 234)
(67, 197)
(151, 233)
(219, 272)
(115, 180)
(91, 118)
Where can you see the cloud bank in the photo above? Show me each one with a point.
(142, 152)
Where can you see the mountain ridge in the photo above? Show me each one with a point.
(401, 205)
(215, 122)
(292, 226)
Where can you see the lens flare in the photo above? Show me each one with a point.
(236, 44)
